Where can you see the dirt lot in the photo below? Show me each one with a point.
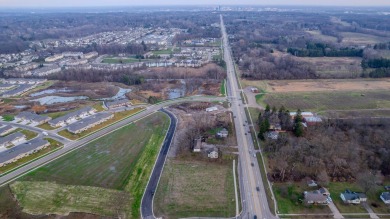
(321, 85)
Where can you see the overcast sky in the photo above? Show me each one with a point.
(82, 3)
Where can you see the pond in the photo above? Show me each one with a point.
(49, 91)
(120, 95)
(57, 99)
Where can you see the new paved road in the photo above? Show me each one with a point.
(147, 199)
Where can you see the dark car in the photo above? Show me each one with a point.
(152, 192)
(255, 217)
(257, 188)
(252, 164)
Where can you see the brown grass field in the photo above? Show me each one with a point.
(361, 39)
(195, 188)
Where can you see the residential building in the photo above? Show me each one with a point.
(23, 150)
(117, 103)
(77, 62)
(6, 130)
(350, 197)
(89, 122)
(12, 139)
(385, 197)
(19, 90)
(27, 67)
(46, 70)
(211, 109)
(317, 197)
(72, 116)
(213, 154)
(91, 55)
(312, 183)
(387, 188)
(32, 118)
(73, 54)
(54, 58)
(6, 86)
(222, 133)
(198, 144)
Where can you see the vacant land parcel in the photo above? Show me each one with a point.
(323, 95)
(121, 160)
(195, 188)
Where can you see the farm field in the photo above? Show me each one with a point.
(317, 34)
(122, 161)
(324, 101)
(212, 183)
(361, 39)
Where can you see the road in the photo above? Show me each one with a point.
(253, 191)
(147, 199)
(72, 145)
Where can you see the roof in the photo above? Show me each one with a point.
(32, 116)
(81, 124)
(304, 114)
(21, 149)
(385, 195)
(315, 197)
(117, 102)
(11, 137)
(223, 131)
(70, 115)
(5, 128)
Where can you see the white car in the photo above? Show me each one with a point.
(45, 133)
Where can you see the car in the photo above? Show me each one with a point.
(246, 133)
(254, 155)
(255, 217)
(257, 188)
(152, 192)
(252, 164)
(45, 133)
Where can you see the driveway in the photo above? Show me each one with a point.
(335, 211)
(251, 98)
(369, 210)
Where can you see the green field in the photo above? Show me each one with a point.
(223, 88)
(192, 188)
(322, 101)
(122, 160)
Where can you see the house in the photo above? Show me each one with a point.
(213, 153)
(90, 55)
(211, 109)
(89, 122)
(254, 90)
(387, 188)
(385, 196)
(23, 150)
(12, 139)
(6, 130)
(350, 197)
(117, 103)
(54, 58)
(312, 183)
(72, 116)
(324, 191)
(274, 135)
(32, 118)
(315, 198)
(198, 144)
(222, 133)
(44, 71)
(73, 54)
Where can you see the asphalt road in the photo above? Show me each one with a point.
(72, 145)
(253, 193)
(147, 199)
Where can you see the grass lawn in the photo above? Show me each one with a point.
(29, 134)
(99, 106)
(162, 52)
(54, 145)
(46, 126)
(289, 197)
(335, 188)
(8, 118)
(117, 117)
(121, 160)
(193, 188)
(49, 197)
(223, 88)
(322, 101)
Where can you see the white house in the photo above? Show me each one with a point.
(211, 109)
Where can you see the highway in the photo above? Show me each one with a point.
(72, 145)
(147, 199)
(253, 193)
